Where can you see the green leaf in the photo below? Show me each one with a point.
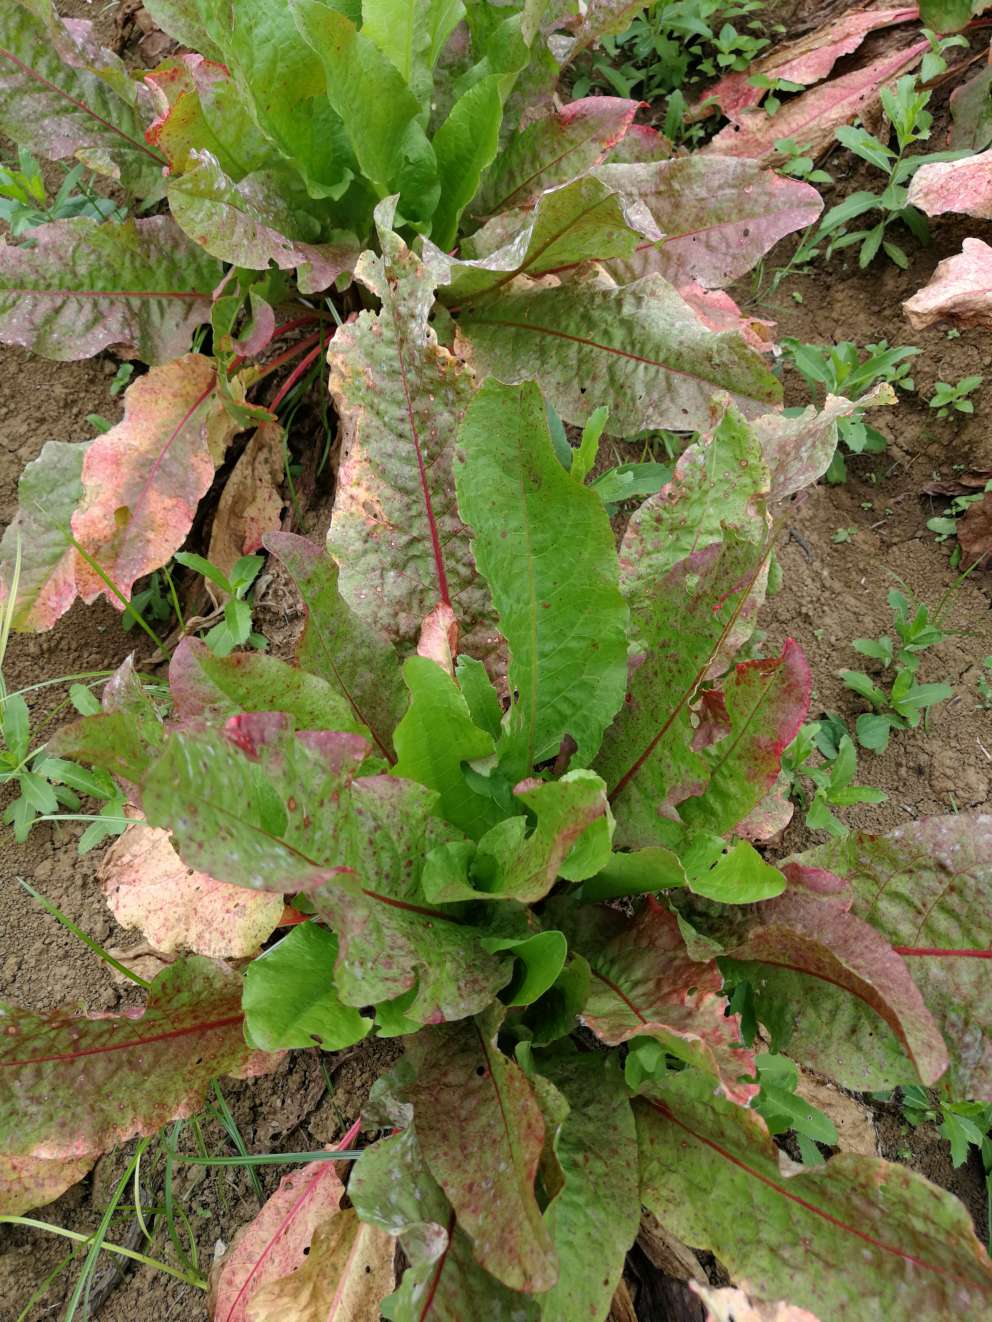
(639, 349)
(584, 459)
(339, 647)
(16, 726)
(545, 547)
(480, 1129)
(395, 529)
(290, 999)
(465, 144)
(542, 958)
(873, 732)
(477, 690)
(852, 1236)
(54, 102)
(81, 286)
(740, 877)
(210, 689)
(594, 1219)
(379, 111)
(949, 15)
(582, 221)
(435, 737)
(639, 873)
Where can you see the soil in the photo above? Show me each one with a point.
(833, 592)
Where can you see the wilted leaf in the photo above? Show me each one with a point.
(963, 186)
(855, 1237)
(593, 1219)
(639, 348)
(148, 887)
(481, 1133)
(251, 503)
(54, 105)
(975, 533)
(118, 1075)
(644, 983)
(344, 1277)
(276, 1242)
(812, 118)
(730, 1305)
(960, 290)
(805, 60)
(544, 545)
(552, 151)
(927, 888)
(715, 217)
(251, 223)
(338, 646)
(395, 530)
(798, 450)
(48, 492)
(290, 999)
(27, 1182)
(718, 312)
(140, 288)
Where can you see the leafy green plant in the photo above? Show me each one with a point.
(783, 1111)
(947, 398)
(24, 201)
(843, 369)
(832, 780)
(905, 703)
(911, 122)
(275, 179)
(965, 1125)
(455, 851)
(234, 628)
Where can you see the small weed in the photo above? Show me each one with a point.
(947, 398)
(24, 201)
(832, 779)
(782, 1109)
(798, 163)
(844, 369)
(843, 535)
(903, 705)
(234, 628)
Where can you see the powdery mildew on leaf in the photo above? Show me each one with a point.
(149, 887)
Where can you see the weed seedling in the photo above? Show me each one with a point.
(783, 1110)
(234, 628)
(832, 779)
(903, 705)
(947, 398)
(24, 201)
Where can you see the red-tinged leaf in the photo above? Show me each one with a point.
(963, 186)
(252, 223)
(682, 627)
(392, 1188)
(48, 491)
(61, 96)
(798, 450)
(804, 935)
(117, 1075)
(208, 690)
(552, 151)
(481, 1133)
(251, 503)
(344, 1277)
(143, 479)
(718, 312)
(927, 888)
(140, 288)
(639, 145)
(766, 703)
(856, 1238)
(337, 645)
(149, 887)
(27, 1182)
(804, 61)
(715, 216)
(959, 291)
(645, 984)
(812, 117)
(638, 346)
(395, 529)
(277, 1241)
(975, 533)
